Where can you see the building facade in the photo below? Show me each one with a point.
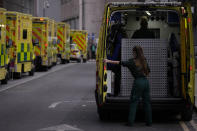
(70, 12)
(48, 8)
(84, 14)
(24, 6)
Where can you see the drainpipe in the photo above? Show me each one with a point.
(80, 14)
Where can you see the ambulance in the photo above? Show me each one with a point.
(42, 41)
(79, 37)
(4, 69)
(63, 42)
(18, 37)
(170, 55)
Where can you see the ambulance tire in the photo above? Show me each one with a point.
(63, 61)
(79, 61)
(31, 73)
(17, 75)
(103, 114)
(187, 112)
(84, 60)
(186, 115)
(45, 68)
(55, 63)
(5, 81)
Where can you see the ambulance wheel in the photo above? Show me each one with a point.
(17, 75)
(186, 115)
(187, 112)
(31, 73)
(63, 61)
(45, 68)
(5, 81)
(79, 60)
(84, 60)
(103, 114)
(55, 63)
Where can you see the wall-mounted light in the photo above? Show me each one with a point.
(148, 13)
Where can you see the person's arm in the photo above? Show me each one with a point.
(123, 63)
(112, 62)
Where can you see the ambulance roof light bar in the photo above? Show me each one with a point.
(152, 3)
(163, 0)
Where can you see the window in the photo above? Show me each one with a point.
(65, 1)
(25, 34)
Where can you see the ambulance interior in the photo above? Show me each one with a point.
(161, 52)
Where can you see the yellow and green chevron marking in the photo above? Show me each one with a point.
(23, 53)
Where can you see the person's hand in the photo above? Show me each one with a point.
(105, 60)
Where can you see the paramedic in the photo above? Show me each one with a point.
(143, 32)
(116, 34)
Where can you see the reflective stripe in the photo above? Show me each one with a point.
(185, 23)
(36, 33)
(37, 50)
(22, 56)
(78, 43)
(2, 60)
(79, 39)
(82, 43)
(19, 48)
(1, 49)
(60, 36)
(24, 53)
(29, 56)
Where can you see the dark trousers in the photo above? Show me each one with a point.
(140, 89)
(117, 81)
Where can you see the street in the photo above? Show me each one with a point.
(62, 99)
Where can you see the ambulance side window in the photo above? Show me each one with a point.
(25, 34)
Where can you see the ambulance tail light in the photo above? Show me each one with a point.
(190, 68)
(105, 68)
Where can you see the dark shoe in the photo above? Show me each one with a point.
(128, 124)
(148, 124)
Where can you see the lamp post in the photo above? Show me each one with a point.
(46, 5)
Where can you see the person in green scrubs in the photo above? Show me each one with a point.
(139, 68)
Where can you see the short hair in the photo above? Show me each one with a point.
(144, 21)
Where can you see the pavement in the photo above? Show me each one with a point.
(62, 99)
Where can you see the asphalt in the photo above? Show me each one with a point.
(62, 99)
